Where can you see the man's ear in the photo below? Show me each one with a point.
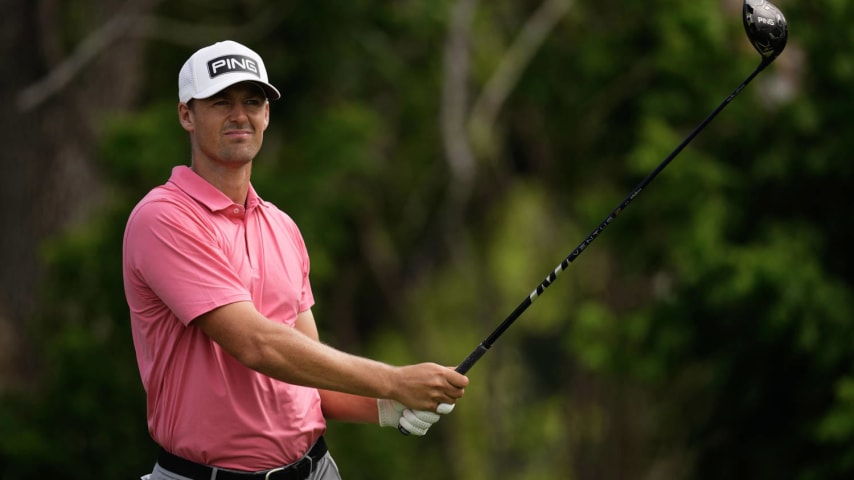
(185, 116)
(267, 115)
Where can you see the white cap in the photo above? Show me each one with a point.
(219, 66)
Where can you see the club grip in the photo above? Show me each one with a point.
(473, 357)
(461, 368)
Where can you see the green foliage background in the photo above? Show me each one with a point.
(705, 335)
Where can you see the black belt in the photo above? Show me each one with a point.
(298, 470)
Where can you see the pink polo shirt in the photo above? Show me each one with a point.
(189, 249)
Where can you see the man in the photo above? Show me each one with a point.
(238, 385)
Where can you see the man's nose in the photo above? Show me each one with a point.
(238, 113)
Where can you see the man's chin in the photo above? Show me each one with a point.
(240, 157)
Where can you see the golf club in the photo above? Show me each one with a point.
(767, 30)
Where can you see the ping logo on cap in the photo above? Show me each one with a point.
(233, 63)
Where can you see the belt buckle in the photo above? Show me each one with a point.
(267, 477)
(302, 467)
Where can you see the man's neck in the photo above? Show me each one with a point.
(233, 182)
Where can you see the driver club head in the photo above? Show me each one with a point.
(766, 28)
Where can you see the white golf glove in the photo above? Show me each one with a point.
(414, 422)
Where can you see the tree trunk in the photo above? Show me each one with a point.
(50, 181)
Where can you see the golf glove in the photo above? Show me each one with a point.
(393, 414)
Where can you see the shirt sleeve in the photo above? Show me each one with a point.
(176, 255)
(306, 295)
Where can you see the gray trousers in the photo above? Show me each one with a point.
(325, 469)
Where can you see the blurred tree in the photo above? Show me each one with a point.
(67, 64)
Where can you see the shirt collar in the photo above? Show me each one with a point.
(203, 192)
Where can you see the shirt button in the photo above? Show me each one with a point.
(236, 211)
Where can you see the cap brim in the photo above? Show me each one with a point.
(270, 91)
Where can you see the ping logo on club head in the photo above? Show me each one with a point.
(233, 63)
(767, 21)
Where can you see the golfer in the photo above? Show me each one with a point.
(238, 385)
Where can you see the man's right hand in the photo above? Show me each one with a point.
(426, 386)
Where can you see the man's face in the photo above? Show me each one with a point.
(227, 128)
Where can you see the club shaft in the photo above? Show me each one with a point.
(487, 343)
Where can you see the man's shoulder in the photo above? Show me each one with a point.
(165, 201)
(272, 211)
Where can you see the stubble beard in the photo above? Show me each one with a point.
(238, 154)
